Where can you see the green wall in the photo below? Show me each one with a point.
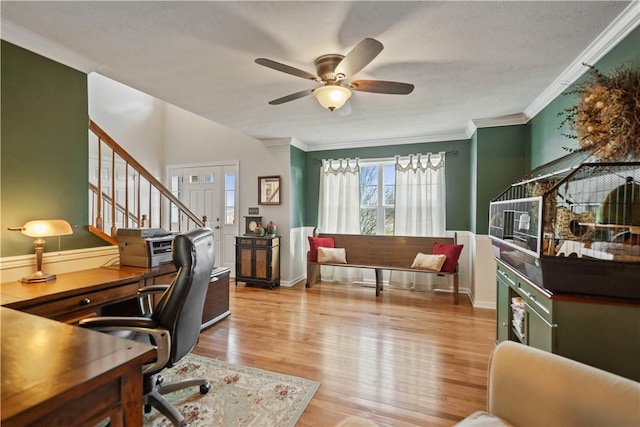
(473, 167)
(546, 140)
(297, 187)
(500, 159)
(457, 176)
(44, 152)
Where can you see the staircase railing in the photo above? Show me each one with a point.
(123, 194)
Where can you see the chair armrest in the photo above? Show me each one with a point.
(153, 289)
(144, 297)
(527, 386)
(142, 325)
(124, 323)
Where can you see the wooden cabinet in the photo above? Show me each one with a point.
(216, 303)
(600, 332)
(258, 260)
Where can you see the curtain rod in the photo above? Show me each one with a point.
(450, 153)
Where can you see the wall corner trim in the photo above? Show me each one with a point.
(617, 30)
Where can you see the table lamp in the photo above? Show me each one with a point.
(39, 229)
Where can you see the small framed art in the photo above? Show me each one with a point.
(269, 190)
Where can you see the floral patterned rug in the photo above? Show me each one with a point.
(239, 396)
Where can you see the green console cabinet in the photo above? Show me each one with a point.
(598, 331)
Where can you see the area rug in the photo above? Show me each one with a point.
(239, 396)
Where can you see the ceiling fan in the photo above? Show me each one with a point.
(332, 70)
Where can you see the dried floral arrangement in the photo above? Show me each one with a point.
(606, 121)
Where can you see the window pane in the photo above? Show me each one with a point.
(175, 190)
(193, 179)
(368, 185)
(389, 184)
(229, 215)
(230, 181)
(389, 219)
(368, 221)
(230, 198)
(209, 178)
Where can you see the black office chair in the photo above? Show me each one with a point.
(174, 324)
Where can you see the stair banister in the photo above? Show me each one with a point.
(139, 172)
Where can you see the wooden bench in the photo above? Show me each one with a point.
(381, 253)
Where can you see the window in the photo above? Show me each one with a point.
(377, 198)
(175, 190)
(400, 196)
(229, 198)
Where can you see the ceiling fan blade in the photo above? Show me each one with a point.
(381, 86)
(359, 57)
(286, 69)
(291, 97)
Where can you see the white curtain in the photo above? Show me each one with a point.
(419, 206)
(339, 208)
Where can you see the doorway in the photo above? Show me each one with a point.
(209, 190)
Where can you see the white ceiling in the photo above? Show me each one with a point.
(470, 62)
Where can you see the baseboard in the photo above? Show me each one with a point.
(491, 305)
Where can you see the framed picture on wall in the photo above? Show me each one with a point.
(269, 190)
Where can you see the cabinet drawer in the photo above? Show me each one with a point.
(536, 299)
(64, 308)
(506, 276)
(245, 241)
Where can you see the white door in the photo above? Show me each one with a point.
(205, 191)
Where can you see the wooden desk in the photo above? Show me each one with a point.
(72, 296)
(54, 374)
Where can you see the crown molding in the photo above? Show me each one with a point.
(275, 142)
(299, 144)
(615, 32)
(450, 136)
(26, 39)
(470, 129)
(509, 120)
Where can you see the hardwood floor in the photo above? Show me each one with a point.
(403, 359)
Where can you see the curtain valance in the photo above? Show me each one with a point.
(340, 166)
(416, 162)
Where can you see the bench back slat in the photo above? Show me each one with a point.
(391, 251)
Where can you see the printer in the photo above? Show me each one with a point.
(144, 247)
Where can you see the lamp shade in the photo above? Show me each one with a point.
(332, 96)
(47, 227)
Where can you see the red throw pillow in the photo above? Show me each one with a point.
(452, 252)
(317, 242)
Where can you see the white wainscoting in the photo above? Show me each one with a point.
(483, 293)
(298, 247)
(477, 266)
(13, 268)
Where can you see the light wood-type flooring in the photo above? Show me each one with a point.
(403, 359)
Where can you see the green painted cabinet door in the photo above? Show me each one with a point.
(539, 333)
(502, 311)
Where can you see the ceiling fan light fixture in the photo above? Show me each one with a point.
(332, 97)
